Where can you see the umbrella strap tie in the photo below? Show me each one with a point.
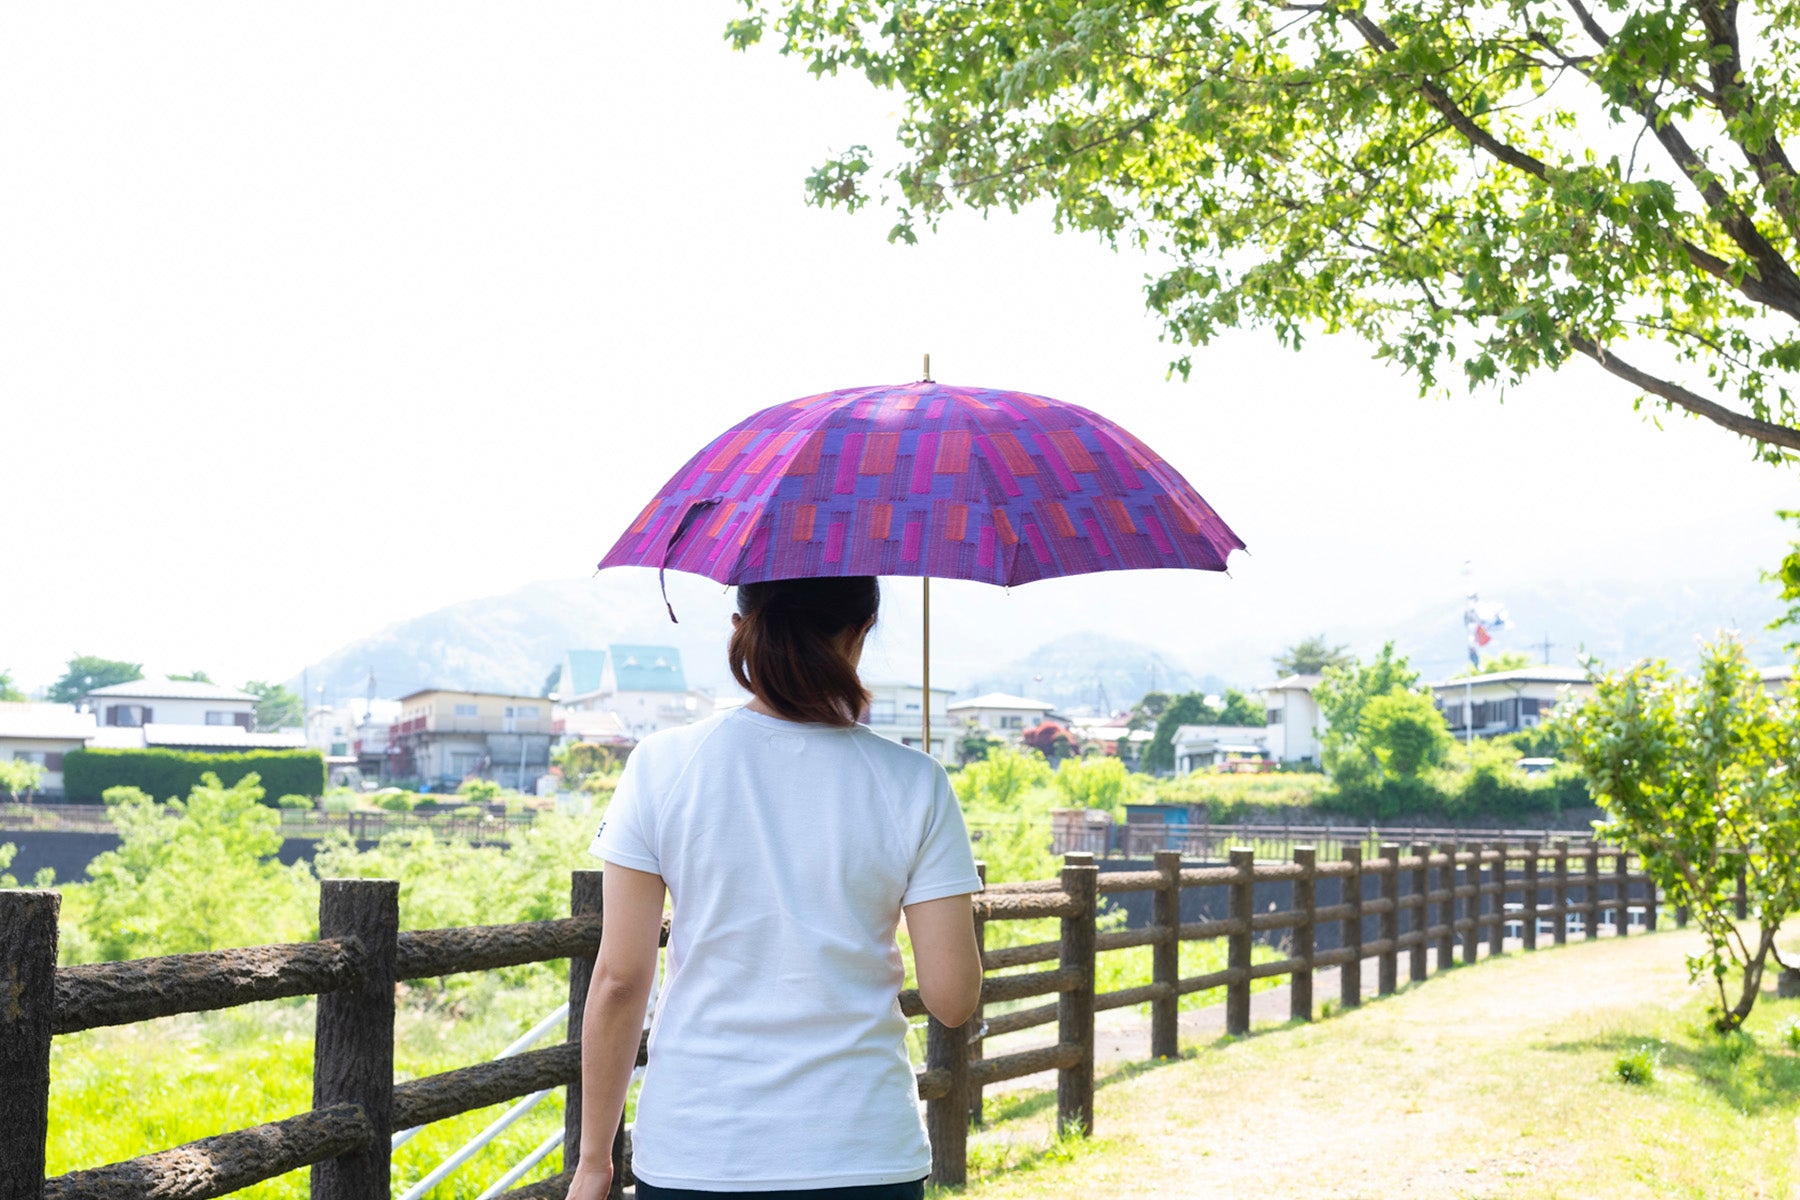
(687, 519)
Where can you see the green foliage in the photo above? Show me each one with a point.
(293, 801)
(1098, 783)
(585, 763)
(193, 874)
(1787, 577)
(1540, 741)
(1186, 709)
(89, 772)
(8, 852)
(1310, 656)
(1481, 190)
(1238, 709)
(9, 692)
(1050, 739)
(1147, 710)
(18, 778)
(1001, 779)
(1639, 1066)
(276, 707)
(1348, 755)
(396, 801)
(1406, 733)
(1695, 774)
(1506, 660)
(192, 677)
(1232, 797)
(86, 672)
(481, 791)
(976, 743)
(1788, 1033)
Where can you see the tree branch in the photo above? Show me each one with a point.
(1757, 430)
(1769, 160)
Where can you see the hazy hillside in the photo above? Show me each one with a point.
(1094, 671)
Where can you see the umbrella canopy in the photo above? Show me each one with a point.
(924, 479)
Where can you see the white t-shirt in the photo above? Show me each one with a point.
(777, 1056)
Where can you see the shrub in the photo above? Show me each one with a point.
(482, 791)
(292, 801)
(1098, 783)
(999, 780)
(398, 802)
(1788, 1033)
(88, 773)
(1639, 1066)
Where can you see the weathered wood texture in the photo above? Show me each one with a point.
(218, 1166)
(1300, 988)
(123, 993)
(428, 953)
(978, 1035)
(1387, 970)
(353, 1042)
(1075, 1007)
(1350, 973)
(586, 900)
(1237, 947)
(28, 935)
(947, 1116)
(1417, 964)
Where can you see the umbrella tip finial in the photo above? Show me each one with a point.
(927, 368)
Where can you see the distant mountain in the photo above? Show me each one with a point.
(1095, 672)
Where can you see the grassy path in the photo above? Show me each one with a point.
(1495, 1081)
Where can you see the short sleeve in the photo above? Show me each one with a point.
(626, 833)
(944, 864)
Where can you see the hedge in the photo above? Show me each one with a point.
(167, 774)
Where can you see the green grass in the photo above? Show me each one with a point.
(1496, 1081)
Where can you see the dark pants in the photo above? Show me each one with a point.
(879, 1191)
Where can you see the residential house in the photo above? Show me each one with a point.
(1116, 735)
(1000, 713)
(443, 737)
(643, 685)
(42, 734)
(1776, 680)
(352, 735)
(896, 712)
(1294, 723)
(1507, 701)
(1198, 747)
(181, 714)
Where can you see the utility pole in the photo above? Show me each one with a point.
(1547, 644)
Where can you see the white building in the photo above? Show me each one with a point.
(1294, 723)
(42, 734)
(643, 685)
(1198, 747)
(1000, 713)
(170, 702)
(1507, 701)
(896, 712)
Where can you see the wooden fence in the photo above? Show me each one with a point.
(1427, 900)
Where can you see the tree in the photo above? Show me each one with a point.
(1342, 695)
(1405, 732)
(1695, 775)
(1145, 712)
(1097, 783)
(1050, 739)
(276, 707)
(1498, 187)
(1185, 709)
(1237, 709)
(1001, 779)
(18, 778)
(976, 743)
(192, 677)
(551, 681)
(9, 692)
(1506, 660)
(87, 672)
(1310, 656)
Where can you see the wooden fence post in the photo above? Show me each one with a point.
(1075, 1008)
(1621, 873)
(976, 1048)
(1417, 966)
(1237, 943)
(1306, 903)
(1165, 957)
(1559, 892)
(1497, 876)
(585, 892)
(1590, 922)
(28, 936)
(947, 1118)
(1472, 906)
(353, 1042)
(1387, 970)
(1350, 974)
(1446, 877)
(1529, 910)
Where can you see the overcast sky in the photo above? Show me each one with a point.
(320, 317)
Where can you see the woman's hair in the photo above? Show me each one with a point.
(788, 650)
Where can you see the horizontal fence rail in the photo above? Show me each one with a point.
(1421, 906)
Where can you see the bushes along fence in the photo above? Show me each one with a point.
(1428, 900)
(87, 773)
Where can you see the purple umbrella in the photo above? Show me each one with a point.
(924, 479)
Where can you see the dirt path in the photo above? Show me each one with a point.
(1448, 1089)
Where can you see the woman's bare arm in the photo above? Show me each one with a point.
(613, 1021)
(946, 959)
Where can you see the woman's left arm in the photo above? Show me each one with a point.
(612, 1023)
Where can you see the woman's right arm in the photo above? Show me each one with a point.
(946, 958)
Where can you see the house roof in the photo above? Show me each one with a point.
(449, 691)
(1545, 673)
(1234, 734)
(49, 722)
(221, 737)
(1777, 674)
(1294, 683)
(171, 689)
(1001, 700)
(647, 668)
(585, 668)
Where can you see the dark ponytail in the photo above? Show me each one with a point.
(787, 648)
